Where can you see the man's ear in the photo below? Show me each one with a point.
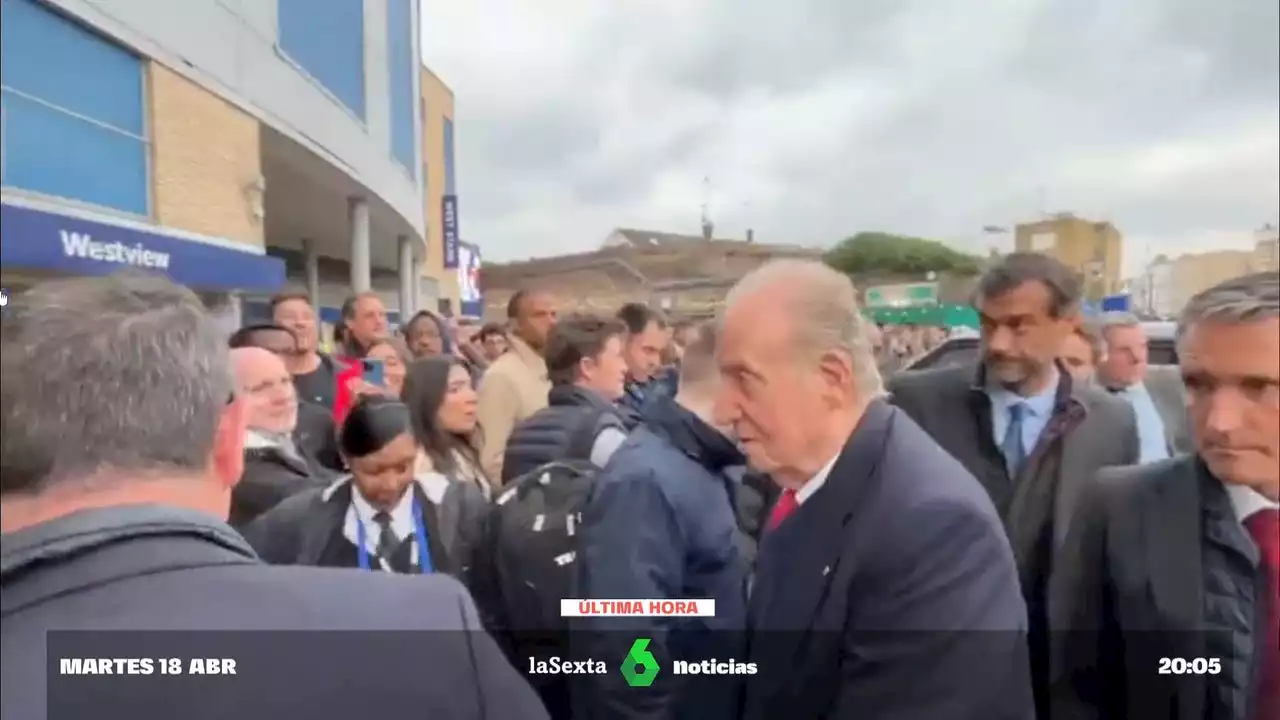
(228, 444)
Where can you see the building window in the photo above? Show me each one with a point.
(449, 187)
(326, 39)
(72, 118)
(400, 59)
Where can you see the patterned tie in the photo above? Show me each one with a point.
(1012, 448)
(782, 509)
(1264, 526)
(388, 543)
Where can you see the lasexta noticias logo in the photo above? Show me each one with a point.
(640, 667)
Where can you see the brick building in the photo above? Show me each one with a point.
(686, 275)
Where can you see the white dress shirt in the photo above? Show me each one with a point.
(1246, 501)
(359, 511)
(816, 482)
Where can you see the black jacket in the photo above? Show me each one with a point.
(317, 436)
(565, 429)
(270, 476)
(299, 530)
(149, 567)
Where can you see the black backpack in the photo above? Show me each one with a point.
(531, 544)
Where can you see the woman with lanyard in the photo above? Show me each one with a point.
(380, 517)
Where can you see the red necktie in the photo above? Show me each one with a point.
(782, 509)
(1264, 526)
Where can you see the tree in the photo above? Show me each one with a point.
(880, 252)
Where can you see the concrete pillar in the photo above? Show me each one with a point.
(361, 268)
(311, 269)
(408, 279)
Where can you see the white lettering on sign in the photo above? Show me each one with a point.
(81, 245)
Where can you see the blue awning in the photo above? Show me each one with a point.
(70, 243)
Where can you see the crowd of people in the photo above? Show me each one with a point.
(1059, 530)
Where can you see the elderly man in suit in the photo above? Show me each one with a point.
(1017, 421)
(1156, 394)
(885, 587)
(1171, 595)
(123, 440)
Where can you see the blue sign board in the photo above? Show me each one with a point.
(1117, 303)
(449, 222)
(43, 240)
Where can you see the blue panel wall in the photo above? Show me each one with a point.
(326, 38)
(449, 187)
(74, 111)
(402, 66)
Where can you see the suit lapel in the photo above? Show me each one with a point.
(1172, 532)
(803, 556)
(1171, 406)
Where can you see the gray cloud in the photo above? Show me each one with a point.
(819, 118)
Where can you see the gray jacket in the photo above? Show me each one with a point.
(153, 568)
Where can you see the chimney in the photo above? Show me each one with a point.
(751, 235)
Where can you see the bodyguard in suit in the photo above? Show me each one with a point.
(1019, 423)
(885, 586)
(1156, 394)
(122, 442)
(1170, 594)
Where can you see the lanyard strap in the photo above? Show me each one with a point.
(419, 535)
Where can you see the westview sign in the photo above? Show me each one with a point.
(81, 245)
(40, 239)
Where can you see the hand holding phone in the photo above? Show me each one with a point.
(373, 372)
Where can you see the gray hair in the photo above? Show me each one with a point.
(1244, 299)
(824, 304)
(125, 374)
(1113, 319)
(1092, 332)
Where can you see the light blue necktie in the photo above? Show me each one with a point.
(1015, 454)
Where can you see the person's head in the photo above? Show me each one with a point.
(586, 350)
(265, 384)
(1028, 303)
(294, 311)
(493, 341)
(1081, 353)
(442, 401)
(115, 390)
(699, 380)
(646, 337)
(796, 369)
(365, 319)
(395, 358)
(1229, 352)
(377, 442)
(531, 314)
(425, 335)
(1126, 358)
(274, 338)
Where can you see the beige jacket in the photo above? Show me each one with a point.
(514, 387)
(466, 472)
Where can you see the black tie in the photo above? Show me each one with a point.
(387, 540)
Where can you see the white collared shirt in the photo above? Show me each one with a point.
(1246, 501)
(816, 482)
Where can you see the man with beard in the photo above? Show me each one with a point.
(1031, 435)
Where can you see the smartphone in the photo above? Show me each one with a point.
(373, 372)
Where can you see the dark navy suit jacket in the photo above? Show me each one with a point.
(889, 594)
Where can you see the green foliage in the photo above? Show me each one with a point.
(886, 253)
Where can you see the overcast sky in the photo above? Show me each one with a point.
(815, 119)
